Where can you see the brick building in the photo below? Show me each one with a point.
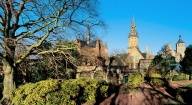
(93, 54)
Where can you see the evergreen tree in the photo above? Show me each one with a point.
(186, 63)
(163, 62)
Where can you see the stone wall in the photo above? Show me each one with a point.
(91, 72)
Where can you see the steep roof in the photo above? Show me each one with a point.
(180, 40)
(144, 55)
(84, 43)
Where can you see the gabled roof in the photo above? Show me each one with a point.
(144, 55)
(180, 41)
(91, 43)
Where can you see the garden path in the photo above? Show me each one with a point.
(146, 95)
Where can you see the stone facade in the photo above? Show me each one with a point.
(179, 53)
(91, 72)
(180, 50)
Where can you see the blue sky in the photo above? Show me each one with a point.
(157, 22)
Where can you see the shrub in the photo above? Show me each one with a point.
(189, 86)
(65, 92)
(135, 79)
(156, 80)
(180, 77)
(155, 76)
(186, 77)
(177, 77)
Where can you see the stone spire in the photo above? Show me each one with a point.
(133, 32)
(88, 35)
(133, 26)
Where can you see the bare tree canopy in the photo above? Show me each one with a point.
(35, 21)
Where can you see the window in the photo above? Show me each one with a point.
(136, 57)
(131, 57)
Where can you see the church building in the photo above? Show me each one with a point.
(134, 59)
(134, 53)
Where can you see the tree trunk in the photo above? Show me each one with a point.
(190, 76)
(8, 82)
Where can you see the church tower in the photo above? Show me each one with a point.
(180, 47)
(133, 37)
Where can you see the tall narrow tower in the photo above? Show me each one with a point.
(88, 35)
(180, 47)
(133, 37)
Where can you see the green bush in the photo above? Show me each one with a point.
(135, 79)
(186, 77)
(177, 78)
(189, 86)
(156, 80)
(65, 92)
(180, 77)
(155, 76)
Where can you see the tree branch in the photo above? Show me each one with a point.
(35, 45)
(17, 14)
(24, 34)
(1, 20)
(57, 50)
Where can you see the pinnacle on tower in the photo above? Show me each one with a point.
(146, 48)
(133, 32)
(133, 26)
(88, 35)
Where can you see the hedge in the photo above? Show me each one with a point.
(61, 92)
(180, 77)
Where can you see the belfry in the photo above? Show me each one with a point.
(133, 37)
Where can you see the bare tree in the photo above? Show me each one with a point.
(115, 52)
(35, 21)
